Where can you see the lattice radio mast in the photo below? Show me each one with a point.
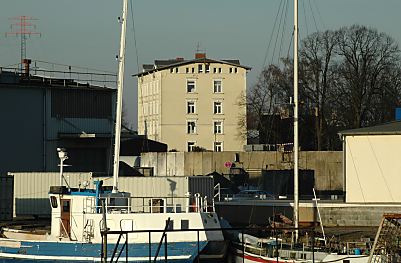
(23, 29)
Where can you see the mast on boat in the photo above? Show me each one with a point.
(120, 86)
(296, 147)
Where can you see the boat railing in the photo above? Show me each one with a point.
(159, 253)
(166, 204)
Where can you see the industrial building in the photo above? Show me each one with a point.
(371, 164)
(42, 113)
(192, 104)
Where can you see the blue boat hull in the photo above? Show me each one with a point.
(31, 251)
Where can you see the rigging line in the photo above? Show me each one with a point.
(305, 17)
(356, 171)
(278, 33)
(282, 33)
(271, 37)
(289, 45)
(380, 168)
(313, 16)
(320, 15)
(133, 30)
(145, 141)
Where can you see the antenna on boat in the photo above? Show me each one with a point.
(120, 86)
(296, 147)
(62, 154)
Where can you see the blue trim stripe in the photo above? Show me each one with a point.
(139, 251)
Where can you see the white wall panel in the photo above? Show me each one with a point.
(373, 168)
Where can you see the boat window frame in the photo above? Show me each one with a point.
(53, 202)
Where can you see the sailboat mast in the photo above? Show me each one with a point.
(120, 86)
(296, 147)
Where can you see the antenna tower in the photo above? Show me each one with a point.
(23, 29)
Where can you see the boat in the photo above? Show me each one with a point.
(81, 216)
(252, 249)
(248, 248)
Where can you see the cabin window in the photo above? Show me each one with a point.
(53, 201)
(184, 224)
(66, 206)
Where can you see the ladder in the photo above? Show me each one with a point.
(387, 245)
(88, 232)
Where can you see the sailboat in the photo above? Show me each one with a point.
(248, 249)
(78, 217)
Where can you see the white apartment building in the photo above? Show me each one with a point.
(192, 103)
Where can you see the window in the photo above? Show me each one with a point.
(191, 146)
(193, 70)
(53, 201)
(171, 70)
(218, 146)
(219, 70)
(207, 68)
(217, 107)
(191, 107)
(176, 70)
(191, 127)
(200, 68)
(187, 70)
(184, 224)
(218, 127)
(231, 70)
(66, 206)
(214, 70)
(190, 85)
(235, 70)
(217, 86)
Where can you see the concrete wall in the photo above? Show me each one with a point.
(326, 165)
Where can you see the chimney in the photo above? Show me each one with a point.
(26, 63)
(200, 55)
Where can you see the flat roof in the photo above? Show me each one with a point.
(389, 128)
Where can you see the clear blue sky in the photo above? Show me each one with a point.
(86, 32)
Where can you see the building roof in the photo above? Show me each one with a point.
(389, 128)
(171, 63)
(11, 79)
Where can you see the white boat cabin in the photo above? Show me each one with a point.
(77, 215)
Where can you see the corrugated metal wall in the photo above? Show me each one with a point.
(173, 188)
(6, 197)
(21, 115)
(31, 191)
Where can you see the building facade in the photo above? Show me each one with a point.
(193, 104)
(40, 114)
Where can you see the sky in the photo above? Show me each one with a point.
(86, 33)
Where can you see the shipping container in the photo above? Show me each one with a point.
(6, 197)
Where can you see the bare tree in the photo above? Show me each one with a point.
(367, 59)
(349, 78)
(317, 57)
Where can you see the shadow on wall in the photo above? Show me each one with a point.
(32, 207)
